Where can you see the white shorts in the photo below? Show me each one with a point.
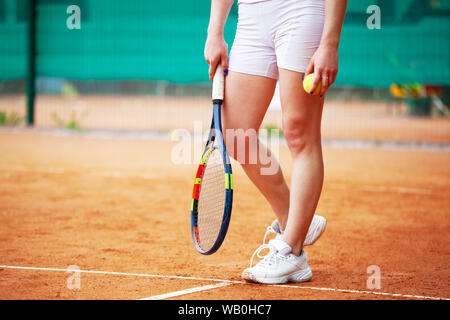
(276, 34)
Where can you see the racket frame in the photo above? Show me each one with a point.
(214, 142)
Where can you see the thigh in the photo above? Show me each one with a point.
(301, 112)
(247, 98)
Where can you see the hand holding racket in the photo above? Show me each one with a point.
(212, 197)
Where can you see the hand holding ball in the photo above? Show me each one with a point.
(307, 84)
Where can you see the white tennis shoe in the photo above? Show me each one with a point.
(316, 229)
(279, 266)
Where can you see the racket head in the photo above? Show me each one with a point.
(211, 200)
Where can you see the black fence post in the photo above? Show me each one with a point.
(31, 61)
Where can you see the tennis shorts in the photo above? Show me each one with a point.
(274, 34)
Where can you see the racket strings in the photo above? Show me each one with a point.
(211, 201)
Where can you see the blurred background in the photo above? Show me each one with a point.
(138, 65)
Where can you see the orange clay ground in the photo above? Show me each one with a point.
(121, 205)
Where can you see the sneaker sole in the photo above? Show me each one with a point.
(319, 229)
(297, 277)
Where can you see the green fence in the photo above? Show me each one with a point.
(413, 44)
(163, 40)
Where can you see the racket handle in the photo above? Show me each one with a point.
(218, 84)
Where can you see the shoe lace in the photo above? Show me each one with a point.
(269, 259)
(268, 231)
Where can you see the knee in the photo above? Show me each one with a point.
(298, 134)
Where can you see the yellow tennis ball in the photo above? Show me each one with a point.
(307, 84)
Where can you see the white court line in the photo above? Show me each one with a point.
(225, 281)
(187, 291)
(364, 292)
(116, 273)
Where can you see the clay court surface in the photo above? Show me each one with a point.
(118, 209)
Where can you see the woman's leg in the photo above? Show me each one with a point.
(302, 115)
(247, 98)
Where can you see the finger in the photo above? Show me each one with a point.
(310, 68)
(315, 83)
(212, 68)
(209, 71)
(333, 78)
(224, 62)
(325, 84)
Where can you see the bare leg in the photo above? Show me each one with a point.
(247, 98)
(302, 115)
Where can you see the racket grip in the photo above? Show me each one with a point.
(218, 84)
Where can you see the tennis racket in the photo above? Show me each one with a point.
(212, 197)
